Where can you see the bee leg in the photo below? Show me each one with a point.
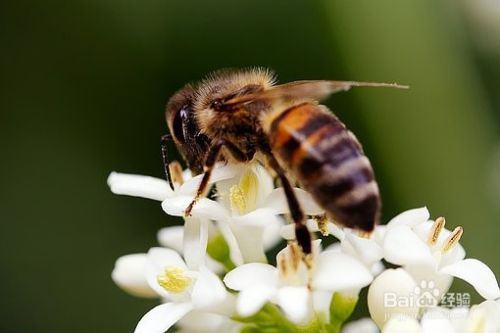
(164, 140)
(301, 232)
(211, 158)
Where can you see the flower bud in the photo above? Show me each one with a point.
(391, 295)
(129, 275)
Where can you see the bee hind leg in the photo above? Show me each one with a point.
(211, 157)
(302, 234)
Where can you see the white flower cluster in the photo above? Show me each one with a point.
(213, 275)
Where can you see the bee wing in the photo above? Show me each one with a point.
(312, 89)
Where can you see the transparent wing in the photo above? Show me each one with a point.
(311, 89)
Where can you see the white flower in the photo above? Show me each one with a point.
(445, 320)
(195, 238)
(391, 296)
(183, 290)
(242, 212)
(482, 318)
(291, 285)
(403, 324)
(366, 249)
(173, 238)
(364, 325)
(430, 252)
(205, 322)
(129, 274)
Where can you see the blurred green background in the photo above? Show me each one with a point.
(84, 84)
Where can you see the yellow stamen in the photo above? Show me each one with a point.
(243, 197)
(453, 239)
(174, 280)
(436, 229)
(237, 198)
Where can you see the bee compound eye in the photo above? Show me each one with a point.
(178, 124)
(217, 104)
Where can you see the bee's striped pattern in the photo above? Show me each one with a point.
(329, 162)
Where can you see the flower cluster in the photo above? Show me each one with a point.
(215, 273)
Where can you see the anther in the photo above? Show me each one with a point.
(174, 280)
(237, 199)
(365, 234)
(283, 266)
(453, 239)
(176, 171)
(295, 255)
(436, 229)
(322, 221)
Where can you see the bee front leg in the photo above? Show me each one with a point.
(211, 158)
(164, 140)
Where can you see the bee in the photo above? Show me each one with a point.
(238, 116)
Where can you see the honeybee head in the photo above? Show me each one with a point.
(184, 129)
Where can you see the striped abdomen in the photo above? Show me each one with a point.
(328, 161)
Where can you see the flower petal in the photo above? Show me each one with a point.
(277, 200)
(410, 217)
(234, 248)
(139, 186)
(208, 290)
(321, 303)
(250, 241)
(425, 274)
(195, 242)
(288, 231)
(437, 320)
(260, 217)
(159, 259)
(219, 173)
(478, 274)
(272, 235)
(265, 181)
(252, 274)
(336, 231)
(454, 255)
(484, 317)
(340, 272)
(250, 230)
(403, 247)
(389, 296)
(204, 208)
(367, 249)
(162, 257)
(364, 325)
(171, 237)
(402, 324)
(252, 299)
(130, 275)
(162, 317)
(200, 321)
(295, 303)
